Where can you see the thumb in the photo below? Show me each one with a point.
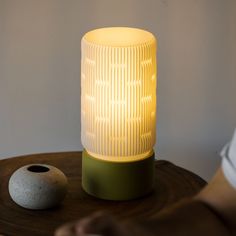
(99, 223)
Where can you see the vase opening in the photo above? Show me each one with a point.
(38, 168)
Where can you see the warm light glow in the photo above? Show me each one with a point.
(118, 97)
(119, 37)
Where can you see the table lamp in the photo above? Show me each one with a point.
(118, 112)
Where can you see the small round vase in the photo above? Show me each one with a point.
(37, 186)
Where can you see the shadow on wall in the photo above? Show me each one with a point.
(195, 84)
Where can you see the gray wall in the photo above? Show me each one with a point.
(40, 73)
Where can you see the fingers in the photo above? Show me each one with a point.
(97, 224)
(66, 230)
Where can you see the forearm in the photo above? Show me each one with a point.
(188, 217)
(212, 211)
(221, 196)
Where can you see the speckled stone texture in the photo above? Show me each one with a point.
(38, 186)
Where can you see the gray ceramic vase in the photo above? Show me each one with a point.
(37, 186)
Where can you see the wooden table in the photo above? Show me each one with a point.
(171, 184)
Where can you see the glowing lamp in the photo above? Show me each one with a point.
(118, 112)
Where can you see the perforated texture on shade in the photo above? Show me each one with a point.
(118, 93)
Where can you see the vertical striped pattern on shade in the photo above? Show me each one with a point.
(118, 97)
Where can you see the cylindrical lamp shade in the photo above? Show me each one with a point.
(118, 93)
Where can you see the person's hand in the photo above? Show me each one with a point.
(99, 223)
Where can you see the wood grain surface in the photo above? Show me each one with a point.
(171, 184)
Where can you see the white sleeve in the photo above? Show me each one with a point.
(229, 161)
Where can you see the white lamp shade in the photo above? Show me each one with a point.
(118, 93)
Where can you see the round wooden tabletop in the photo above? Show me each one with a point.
(171, 184)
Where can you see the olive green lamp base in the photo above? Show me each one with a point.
(117, 180)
